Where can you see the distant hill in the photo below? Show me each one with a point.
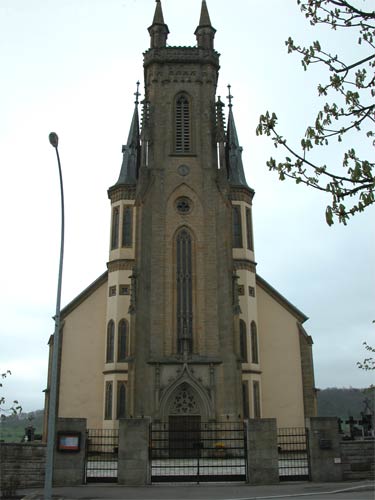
(12, 428)
(334, 402)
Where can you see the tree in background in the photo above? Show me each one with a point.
(349, 115)
(15, 406)
(367, 363)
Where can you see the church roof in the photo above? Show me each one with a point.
(299, 315)
(85, 294)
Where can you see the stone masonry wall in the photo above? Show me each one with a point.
(22, 465)
(358, 459)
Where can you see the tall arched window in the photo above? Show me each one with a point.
(256, 399)
(254, 343)
(249, 230)
(122, 340)
(184, 291)
(121, 399)
(237, 226)
(243, 342)
(127, 227)
(110, 342)
(108, 400)
(115, 227)
(182, 125)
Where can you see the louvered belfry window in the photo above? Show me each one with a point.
(182, 125)
(184, 292)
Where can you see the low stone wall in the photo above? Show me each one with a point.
(22, 465)
(358, 459)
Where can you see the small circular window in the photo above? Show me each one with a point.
(183, 170)
(183, 205)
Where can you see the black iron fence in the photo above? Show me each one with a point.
(101, 455)
(185, 449)
(294, 456)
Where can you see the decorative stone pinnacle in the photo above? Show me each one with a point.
(137, 94)
(229, 97)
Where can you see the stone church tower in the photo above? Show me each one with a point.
(181, 324)
(184, 349)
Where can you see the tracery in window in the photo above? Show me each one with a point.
(182, 125)
(184, 292)
(184, 402)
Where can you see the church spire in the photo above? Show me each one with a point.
(158, 29)
(158, 16)
(131, 152)
(236, 175)
(205, 33)
(205, 17)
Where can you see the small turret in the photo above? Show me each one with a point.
(236, 175)
(158, 29)
(205, 33)
(131, 152)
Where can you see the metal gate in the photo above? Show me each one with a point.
(101, 455)
(294, 456)
(188, 450)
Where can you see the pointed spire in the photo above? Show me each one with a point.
(158, 29)
(158, 16)
(205, 16)
(131, 152)
(236, 175)
(205, 33)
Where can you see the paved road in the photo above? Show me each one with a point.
(363, 490)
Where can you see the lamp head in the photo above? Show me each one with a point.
(54, 139)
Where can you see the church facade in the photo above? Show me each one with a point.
(181, 324)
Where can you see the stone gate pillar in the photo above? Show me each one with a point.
(262, 463)
(324, 444)
(133, 454)
(70, 452)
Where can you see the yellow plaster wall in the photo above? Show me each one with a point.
(282, 395)
(82, 360)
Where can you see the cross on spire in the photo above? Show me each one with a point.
(229, 97)
(137, 94)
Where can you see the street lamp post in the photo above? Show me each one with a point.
(54, 140)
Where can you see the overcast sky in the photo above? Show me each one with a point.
(71, 66)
